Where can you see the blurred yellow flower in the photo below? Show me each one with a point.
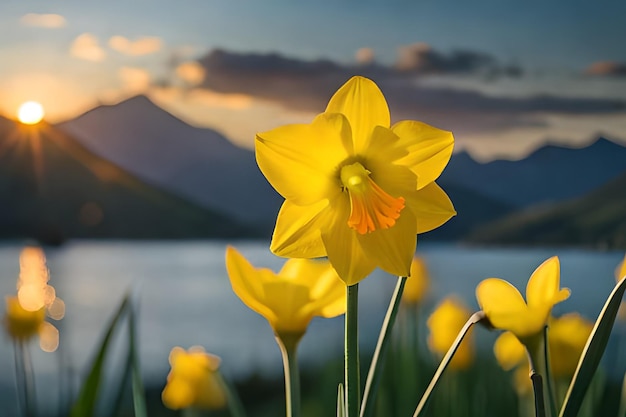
(567, 337)
(506, 309)
(444, 324)
(26, 312)
(416, 285)
(356, 189)
(304, 288)
(193, 380)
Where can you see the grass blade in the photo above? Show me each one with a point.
(139, 398)
(341, 402)
(590, 358)
(85, 404)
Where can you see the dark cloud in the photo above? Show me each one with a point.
(607, 68)
(307, 85)
(421, 58)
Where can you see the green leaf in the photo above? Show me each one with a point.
(590, 358)
(85, 404)
(139, 398)
(341, 401)
(475, 318)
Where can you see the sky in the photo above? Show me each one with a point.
(504, 77)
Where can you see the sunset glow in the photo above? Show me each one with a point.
(30, 113)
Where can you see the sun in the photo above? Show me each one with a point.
(30, 113)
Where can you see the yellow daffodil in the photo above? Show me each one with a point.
(193, 380)
(356, 189)
(304, 288)
(506, 309)
(444, 325)
(567, 337)
(416, 285)
(26, 312)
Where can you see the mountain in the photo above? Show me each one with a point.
(597, 219)
(198, 164)
(473, 209)
(53, 188)
(550, 174)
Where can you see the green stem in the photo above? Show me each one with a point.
(373, 375)
(353, 386)
(547, 371)
(288, 343)
(25, 377)
(235, 406)
(475, 318)
(540, 405)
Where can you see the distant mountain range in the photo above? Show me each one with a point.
(53, 188)
(198, 164)
(204, 167)
(598, 219)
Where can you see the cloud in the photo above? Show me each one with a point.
(305, 86)
(190, 72)
(135, 80)
(365, 56)
(42, 20)
(87, 47)
(421, 58)
(607, 68)
(142, 46)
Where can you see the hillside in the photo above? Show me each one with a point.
(550, 174)
(197, 164)
(53, 189)
(597, 219)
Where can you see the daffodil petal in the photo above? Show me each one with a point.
(286, 300)
(431, 206)
(429, 149)
(362, 102)
(297, 231)
(542, 290)
(305, 157)
(509, 351)
(393, 248)
(343, 248)
(502, 303)
(242, 279)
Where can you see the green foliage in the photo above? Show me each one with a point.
(590, 359)
(86, 403)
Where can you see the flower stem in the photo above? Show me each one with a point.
(540, 405)
(475, 318)
(24, 375)
(373, 375)
(288, 343)
(548, 374)
(352, 377)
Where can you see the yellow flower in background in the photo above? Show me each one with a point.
(567, 337)
(416, 285)
(356, 189)
(193, 380)
(506, 309)
(620, 271)
(509, 351)
(444, 325)
(20, 323)
(26, 312)
(303, 289)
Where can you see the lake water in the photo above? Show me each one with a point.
(185, 299)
